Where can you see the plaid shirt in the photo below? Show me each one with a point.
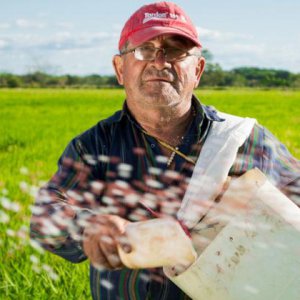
(118, 142)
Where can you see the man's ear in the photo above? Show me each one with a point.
(199, 70)
(118, 67)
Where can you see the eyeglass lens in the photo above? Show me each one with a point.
(150, 53)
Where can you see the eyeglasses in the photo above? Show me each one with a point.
(149, 53)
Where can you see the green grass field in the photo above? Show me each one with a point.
(36, 125)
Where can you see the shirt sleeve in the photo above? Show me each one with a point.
(264, 151)
(282, 169)
(55, 223)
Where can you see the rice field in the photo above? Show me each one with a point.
(35, 127)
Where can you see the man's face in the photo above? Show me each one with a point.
(159, 82)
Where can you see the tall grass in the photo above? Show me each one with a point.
(36, 125)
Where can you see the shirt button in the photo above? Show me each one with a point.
(152, 146)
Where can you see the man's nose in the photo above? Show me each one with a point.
(160, 60)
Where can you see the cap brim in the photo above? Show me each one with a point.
(146, 34)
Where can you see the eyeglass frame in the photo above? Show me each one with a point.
(163, 49)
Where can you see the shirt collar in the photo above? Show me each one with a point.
(201, 111)
(205, 111)
(208, 111)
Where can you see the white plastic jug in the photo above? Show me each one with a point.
(248, 246)
(157, 243)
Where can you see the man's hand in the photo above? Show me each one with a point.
(100, 240)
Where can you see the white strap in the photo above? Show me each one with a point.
(212, 167)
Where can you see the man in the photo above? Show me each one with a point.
(147, 148)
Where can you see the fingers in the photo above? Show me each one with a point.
(97, 257)
(108, 247)
(101, 240)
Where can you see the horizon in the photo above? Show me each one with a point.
(112, 74)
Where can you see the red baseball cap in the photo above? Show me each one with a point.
(156, 19)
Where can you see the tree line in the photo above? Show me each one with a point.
(214, 76)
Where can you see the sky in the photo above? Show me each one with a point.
(80, 37)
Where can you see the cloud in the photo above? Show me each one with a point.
(75, 53)
(220, 36)
(26, 24)
(36, 24)
(258, 55)
(64, 25)
(245, 49)
(231, 50)
(68, 41)
(4, 26)
(3, 44)
(58, 41)
(91, 52)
